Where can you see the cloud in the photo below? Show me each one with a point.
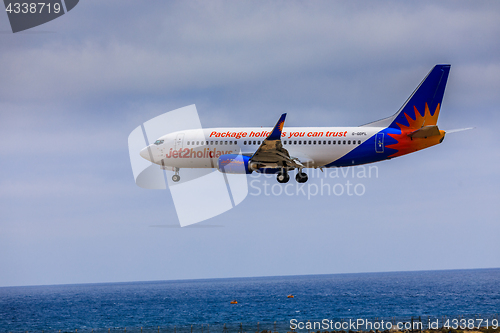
(233, 47)
(69, 99)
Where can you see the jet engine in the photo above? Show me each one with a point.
(234, 163)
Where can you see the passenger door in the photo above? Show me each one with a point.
(379, 143)
(179, 141)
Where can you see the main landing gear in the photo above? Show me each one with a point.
(301, 177)
(176, 176)
(283, 177)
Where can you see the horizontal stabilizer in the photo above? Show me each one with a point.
(425, 132)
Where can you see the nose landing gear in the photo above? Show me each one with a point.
(176, 176)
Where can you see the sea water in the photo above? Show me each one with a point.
(262, 302)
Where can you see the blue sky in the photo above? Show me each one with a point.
(73, 89)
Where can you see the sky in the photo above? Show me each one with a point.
(73, 89)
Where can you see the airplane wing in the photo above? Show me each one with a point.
(271, 153)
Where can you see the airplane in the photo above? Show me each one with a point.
(279, 150)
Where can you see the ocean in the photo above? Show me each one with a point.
(262, 302)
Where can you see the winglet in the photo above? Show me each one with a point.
(276, 132)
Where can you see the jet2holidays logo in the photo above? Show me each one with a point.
(216, 174)
(26, 14)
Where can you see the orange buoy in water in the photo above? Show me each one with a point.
(290, 296)
(234, 302)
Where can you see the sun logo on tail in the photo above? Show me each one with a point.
(406, 144)
(281, 124)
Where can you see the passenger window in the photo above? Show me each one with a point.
(334, 142)
(314, 142)
(244, 142)
(349, 142)
(309, 142)
(216, 142)
(324, 142)
(258, 142)
(319, 142)
(344, 141)
(188, 143)
(230, 142)
(295, 142)
(359, 142)
(300, 142)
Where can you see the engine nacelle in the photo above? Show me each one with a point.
(234, 163)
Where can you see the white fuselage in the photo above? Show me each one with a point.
(314, 146)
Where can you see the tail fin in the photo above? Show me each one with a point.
(422, 107)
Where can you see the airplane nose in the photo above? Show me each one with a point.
(145, 154)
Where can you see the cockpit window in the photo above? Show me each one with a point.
(159, 142)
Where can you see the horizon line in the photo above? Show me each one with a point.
(247, 277)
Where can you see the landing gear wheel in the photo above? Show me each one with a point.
(283, 177)
(301, 177)
(176, 176)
